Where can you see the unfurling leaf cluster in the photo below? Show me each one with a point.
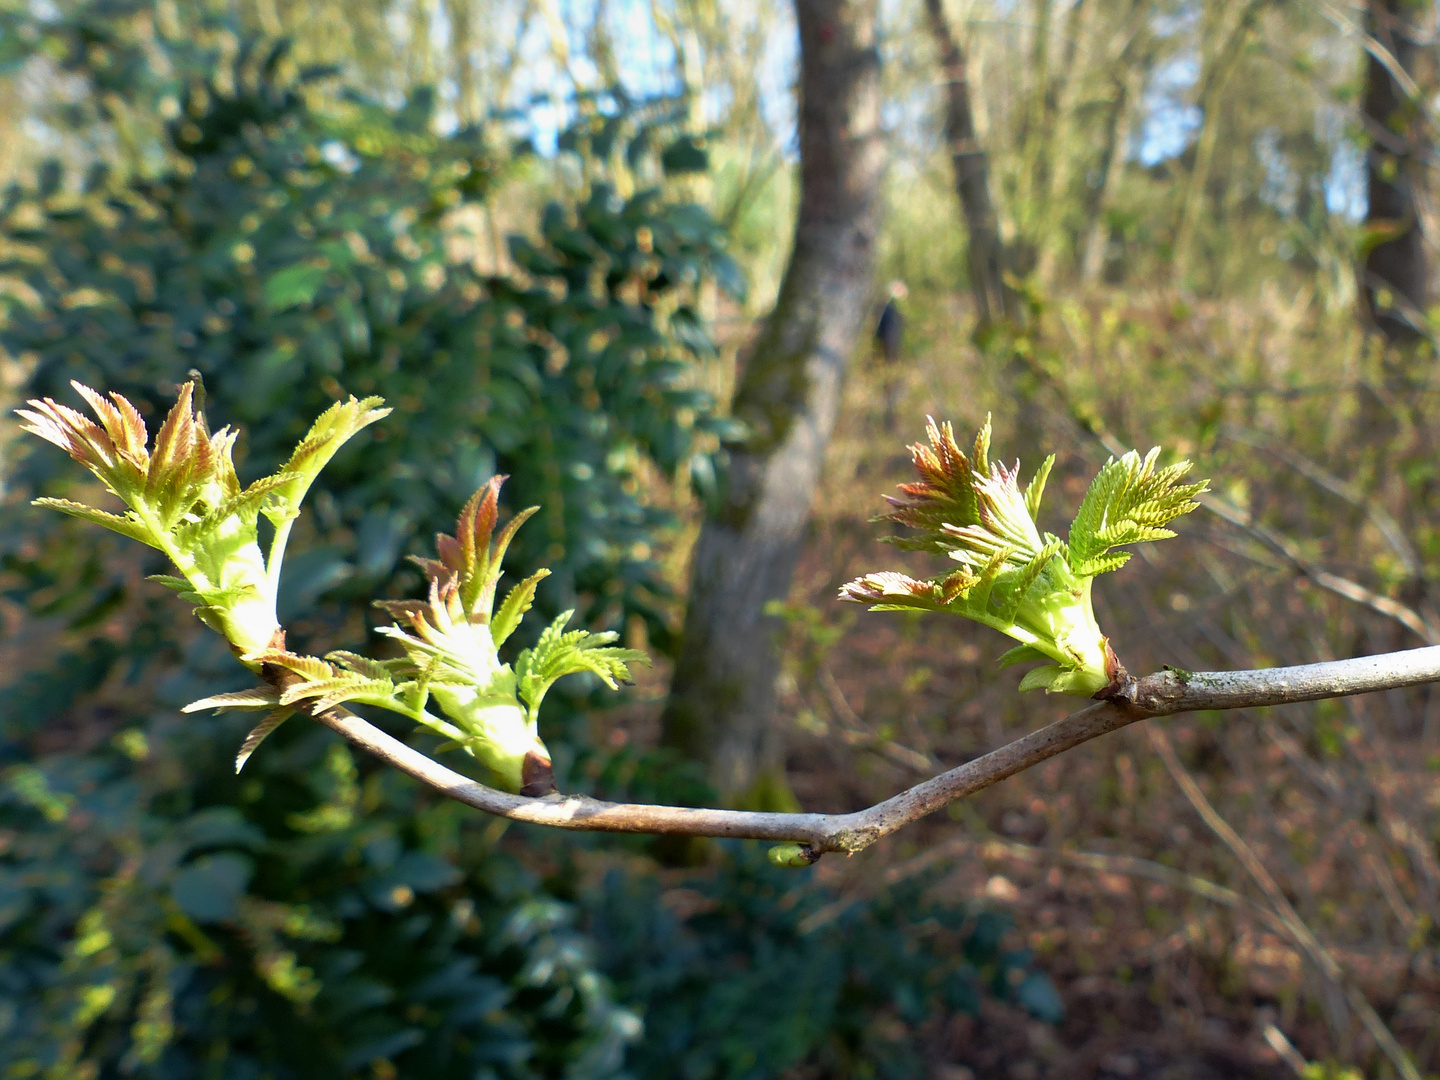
(182, 497)
(451, 643)
(1030, 585)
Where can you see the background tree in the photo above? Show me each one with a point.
(1396, 263)
(721, 704)
(989, 262)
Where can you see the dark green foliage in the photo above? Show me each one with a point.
(158, 915)
(296, 251)
(771, 970)
(298, 922)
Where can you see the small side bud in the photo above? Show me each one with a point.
(793, 856)
(537, 776)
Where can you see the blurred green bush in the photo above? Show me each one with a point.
(751, 971)
(157, 913)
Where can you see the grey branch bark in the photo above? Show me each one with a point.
(1162, 694)
(722, 696)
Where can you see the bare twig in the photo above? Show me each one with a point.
(1286, 1049)
(1298, 931)
(853, 731)
(1162, 694)
(1388, 527)
(1407, 84)
(1350, 590)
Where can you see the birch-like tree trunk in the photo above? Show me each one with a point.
(1058, 120)
(1129, 70)
(722, 698)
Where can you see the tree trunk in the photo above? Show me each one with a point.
(722, 698)
(1034, 148)
(994, 298)
(1395, 277)
(460, 14)
(1129, 69)
(1058, 120)
(1114, 133)
(1220, 62)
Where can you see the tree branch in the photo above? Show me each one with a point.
(1344, 587)
(1162, 694)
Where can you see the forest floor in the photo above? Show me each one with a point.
(1168, 955)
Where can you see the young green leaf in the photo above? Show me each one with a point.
(1128, 502)
(258, 735)
(361, 665)
(452, 640)
(182, 496)
(331, 430)
(1030, 585)
(325, 694)
(558, 654)
(260, 697)
(517, 602)
(125, 526)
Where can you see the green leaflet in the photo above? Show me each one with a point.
(259, 733)
(1030, 585)
(1036, 488)
(125, 526)
(1020, 654)
(260, 697)
(1041, 678)
(361, 665)
(558, 654)
(517, 602)
(327, 693)
(243, 505)
(331, 430)
(1128, 502)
